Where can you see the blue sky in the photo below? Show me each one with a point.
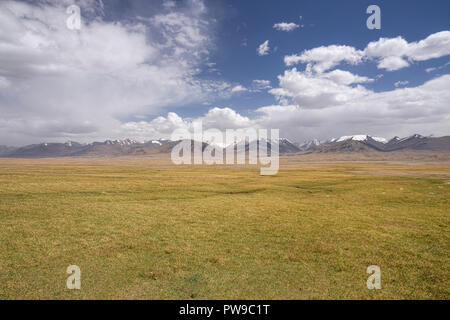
(325, 23)
(143, 68)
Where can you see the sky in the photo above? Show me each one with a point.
(141, 69)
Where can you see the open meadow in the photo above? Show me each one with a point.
(142, 228)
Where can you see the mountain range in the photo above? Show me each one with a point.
(359, 143)
(127, 147)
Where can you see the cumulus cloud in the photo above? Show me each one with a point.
(162, 127)
(317, 105)
(310, 90)
(65, 83)
(58, 84)
(392, 63)
(318, 101)
(403, 111)
(324, 58)
(434, 46)
(225, 118)
(345, 77)
(390, 53)
(263, 48)
(285, 26)
(322, 102)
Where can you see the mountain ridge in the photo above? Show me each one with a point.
(344, 144)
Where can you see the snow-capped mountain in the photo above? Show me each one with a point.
(125, 142)
(284, 145)
(309, 144)
(366, 143)
(361, 137)
(353, 143)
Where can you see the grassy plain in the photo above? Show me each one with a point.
(143, 228)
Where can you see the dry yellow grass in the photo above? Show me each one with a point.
(143, 228)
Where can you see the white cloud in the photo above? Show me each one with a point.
(392, 63)
(238, 88)
(225, 118)
(325, 58)
(434, 46)
(345, 77)
(311, 91)
(182, 33)
(162, 127)
(390, 53)
(259, 85)
(385, 47)
(437, 68)
(422, 109)
(401, 83)
(263, 48)
(284, 26)
(404, 111)
(262, 82)
(57, 84)
(318, 105)
(67, 84)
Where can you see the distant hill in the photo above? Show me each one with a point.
(44, 150)
(4, 150)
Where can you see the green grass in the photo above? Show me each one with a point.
(146, 230)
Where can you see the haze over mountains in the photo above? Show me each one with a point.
(127, 147)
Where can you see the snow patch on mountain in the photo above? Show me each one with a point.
(361, 137)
